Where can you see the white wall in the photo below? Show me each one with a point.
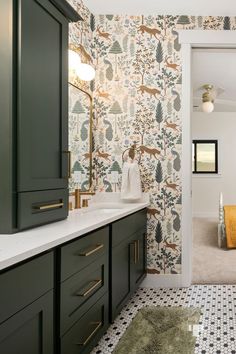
(137, 7)
(206, 188)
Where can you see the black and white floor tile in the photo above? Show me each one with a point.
(217, 334)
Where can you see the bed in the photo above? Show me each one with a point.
(221, 224)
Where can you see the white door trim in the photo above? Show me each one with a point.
(190, 39)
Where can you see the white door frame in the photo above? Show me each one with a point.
(190, 39)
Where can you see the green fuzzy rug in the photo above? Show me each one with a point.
(160, 330)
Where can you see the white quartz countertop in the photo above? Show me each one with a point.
(23, 245)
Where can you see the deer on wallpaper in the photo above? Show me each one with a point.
(170, 65)
(171, 125)
(103, 155)
(103, 94)
(102, 34)
(172, 246)
(173, 186)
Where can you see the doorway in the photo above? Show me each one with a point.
(190, 39)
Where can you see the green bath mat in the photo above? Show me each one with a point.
(160, 330)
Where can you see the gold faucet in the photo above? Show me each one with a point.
(78, 195)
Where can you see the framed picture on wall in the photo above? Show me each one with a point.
(205, 156)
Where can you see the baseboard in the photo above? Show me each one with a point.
(206, 215)
(163, 281)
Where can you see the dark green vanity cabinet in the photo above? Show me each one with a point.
(128, 259)
(84, 276)
(61, 302)
(33, 112)
(26, 311)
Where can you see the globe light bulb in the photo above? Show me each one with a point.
(85, 72)
(207, 107)
(74, 60)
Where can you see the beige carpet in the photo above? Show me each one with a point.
(211, 265)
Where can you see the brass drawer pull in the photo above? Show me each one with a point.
(98, 325)
(138, 249)
(69, 163)
(49, 206)
(88, 291)
(135, 252)
(91, 251)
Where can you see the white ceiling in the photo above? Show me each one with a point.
(163, 7)
(218, 68)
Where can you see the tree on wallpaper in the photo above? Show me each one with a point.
(226, 24)
(115, 171)
(183, 20)
(158, 234)
(144, 62)
(211, 22)
(165, 22)
(77, 167)
(159, 54)
(143, 121)
(116, 110)
(159, 113)
(115, 49)
(99, 48)
(159, 174)
(92, 23)
(166, 260)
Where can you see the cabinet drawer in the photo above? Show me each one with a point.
(78, 254)
(83, 336)
(35, 208)
(24, 284)
(82, 290)
(122, 229)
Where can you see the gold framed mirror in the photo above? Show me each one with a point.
(80, 123)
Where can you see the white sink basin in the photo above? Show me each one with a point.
(101, 211)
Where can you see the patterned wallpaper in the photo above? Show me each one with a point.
(137, 102)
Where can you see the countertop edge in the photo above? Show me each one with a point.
(16, 258)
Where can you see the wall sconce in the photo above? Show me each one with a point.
(207, 99)
(85, 72)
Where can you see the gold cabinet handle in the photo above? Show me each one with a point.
(98, 325)
(88, 291)
(91, 251)
(69, 163)
(49, 206)
(135, 252)
(138, 250)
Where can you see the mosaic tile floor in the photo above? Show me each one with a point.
(217, 333)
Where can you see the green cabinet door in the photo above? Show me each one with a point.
(121, 260)
(138, 264)
(42, 90)
(128, 259)
(30, 331)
